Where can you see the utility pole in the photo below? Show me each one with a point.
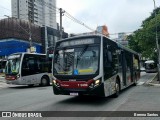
(30, 32)
(61, 14)
(157, 44)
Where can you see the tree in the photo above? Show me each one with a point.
(143, 40)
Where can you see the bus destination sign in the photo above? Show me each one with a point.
(77, 42)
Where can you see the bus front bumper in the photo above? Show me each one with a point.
(96, 91)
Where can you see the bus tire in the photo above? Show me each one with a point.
(44, 81)
(117, 89)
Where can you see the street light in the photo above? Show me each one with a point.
(157, 44)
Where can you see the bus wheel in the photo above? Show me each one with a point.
(44, 81)
(117, 89)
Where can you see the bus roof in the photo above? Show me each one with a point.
(127, 49)
(99, 35)
(75, 37)
(149, 61)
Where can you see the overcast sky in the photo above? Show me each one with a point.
(118, 15)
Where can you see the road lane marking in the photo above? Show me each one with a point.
(140, 83)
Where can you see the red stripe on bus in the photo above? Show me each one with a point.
(75, 84)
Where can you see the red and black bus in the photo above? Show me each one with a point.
(93, 65)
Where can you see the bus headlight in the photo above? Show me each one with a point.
(94, 84)
(56, 83)
(97, 82)
(18, 76)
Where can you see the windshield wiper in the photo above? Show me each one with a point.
(81, 54)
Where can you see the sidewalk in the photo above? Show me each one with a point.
(2, 80)
(2, 75)
(154, 81)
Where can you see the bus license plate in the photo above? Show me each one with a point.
(74, 94)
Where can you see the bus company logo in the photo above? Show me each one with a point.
(20, 115)
(6, 114)
(64, 85)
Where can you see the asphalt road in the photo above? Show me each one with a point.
(135, 98)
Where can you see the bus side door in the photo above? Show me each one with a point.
(28, 70)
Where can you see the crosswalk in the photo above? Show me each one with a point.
(140, 83)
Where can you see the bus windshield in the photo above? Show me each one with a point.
(13, 64)
(150, 65)
(76, 61)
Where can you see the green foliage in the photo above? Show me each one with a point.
(143, 40)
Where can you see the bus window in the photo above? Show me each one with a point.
(110, 61)
(13, 66)
(84, 60)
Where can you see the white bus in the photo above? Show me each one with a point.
(150, 66)
(27, 69)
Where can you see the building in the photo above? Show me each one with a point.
(122, 39)
(39, 12)
(14, 36)
(50, 36)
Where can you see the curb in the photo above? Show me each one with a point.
(2, 79)
(153, 84)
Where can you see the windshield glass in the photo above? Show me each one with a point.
(13, 64)
(150, 65)
(77, 61)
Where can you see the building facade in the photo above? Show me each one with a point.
(14, 45)
(39, 12)
(122, 39)
(50, 36)
(15, 34)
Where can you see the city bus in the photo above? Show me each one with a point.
(150, 66)
(27, 69)
(93, 65)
